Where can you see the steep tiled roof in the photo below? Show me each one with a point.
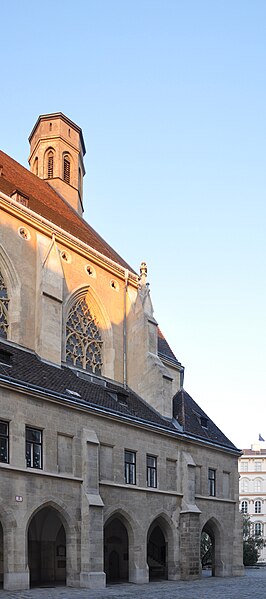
(44, 200)
(164, 349)
(195, 421)
(24, 368)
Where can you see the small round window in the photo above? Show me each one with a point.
(65, 256)
(24, 233)
(90, 270)
(114, 284)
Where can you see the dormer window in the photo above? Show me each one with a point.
(66, 168)
(50, 165)
(204, 421)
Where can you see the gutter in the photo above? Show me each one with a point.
(79, 403)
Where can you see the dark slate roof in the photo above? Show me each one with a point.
(45, 201)
(195, 421)
(164, 349)
(25, 369)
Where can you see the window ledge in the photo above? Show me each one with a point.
(211, 498)
(40, 472)
(137, 488)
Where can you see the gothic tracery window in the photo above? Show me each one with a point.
(3, 307)
(83, 339)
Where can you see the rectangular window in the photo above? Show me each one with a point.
(244, 466)
(257, 466)
(151, 471)
(3, 441)
(212, 482)
(130, 467)
(33, 447)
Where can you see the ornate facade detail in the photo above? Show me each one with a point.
(83, 339)
(3, 308)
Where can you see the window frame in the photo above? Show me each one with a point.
(33, 445)
(244, 506)
(151, 471)
(5, 437)
(212, 482)
(257, 506)
(67, 169)
(130, 466)
(258, 529)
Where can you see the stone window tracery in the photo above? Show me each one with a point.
(3, 308)
(83, 339)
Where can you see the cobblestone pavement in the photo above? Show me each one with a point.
(250, 586)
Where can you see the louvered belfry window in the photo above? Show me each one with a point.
(50, 165)
(66, 169)
(83, 339)
(3, 308)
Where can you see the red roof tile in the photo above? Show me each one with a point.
(45, 201)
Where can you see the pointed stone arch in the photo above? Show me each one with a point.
(160, 547)
(102, 321)
(118, 546)
(49, 164)
(215, 532)
(13, 286)
(50, 540)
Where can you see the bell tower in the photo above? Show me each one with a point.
(56, 154)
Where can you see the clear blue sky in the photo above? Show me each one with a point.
(171, 99)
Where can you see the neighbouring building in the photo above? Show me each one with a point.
(252, 489)
(109, 470)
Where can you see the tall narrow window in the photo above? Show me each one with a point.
(83, 339)
(3, 441)
(258, 528)
(66, 169)
(3, 308)
(257, 507)
(212, 482)
(130, 467)
(151, 471)
(35, 168)
(33, 447)
(50, 165)
(244, 507)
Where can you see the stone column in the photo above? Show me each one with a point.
(16, 571)
(189, 545)
(138, 567)
(91, 574)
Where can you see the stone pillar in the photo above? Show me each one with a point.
(16, 571)
(91, 574)
(138, 567)
(189, 545)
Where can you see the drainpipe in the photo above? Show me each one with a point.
(125, 330)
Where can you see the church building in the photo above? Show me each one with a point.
(109, 470)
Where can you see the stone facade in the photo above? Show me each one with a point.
(252, 489)
(100, 478)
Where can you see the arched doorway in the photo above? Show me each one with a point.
(115, 551)
(1, 557)
(211, 548)
(47, 549)
(156, 553)
(206, 553)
